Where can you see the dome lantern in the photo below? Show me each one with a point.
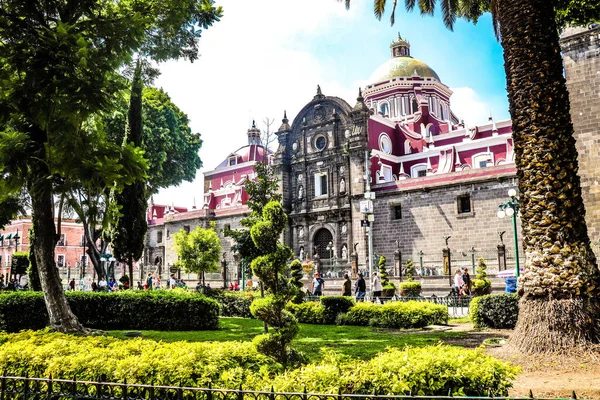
(400, 47)
(254, 134)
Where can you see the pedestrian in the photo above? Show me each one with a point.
(94, 287)
(102, 284)
(318, 284)
(111, 285)
(149, 284)
(377, 288)
(347, 286)
(467, 281)
(139, 286)
(230, 286)
(72, 285)
(156, 282)
(172, 282)
(360, 288)
(236, 286)
(458, 282)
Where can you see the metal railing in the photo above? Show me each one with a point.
(458, 306)
(25, 388)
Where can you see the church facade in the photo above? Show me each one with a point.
(435, 183)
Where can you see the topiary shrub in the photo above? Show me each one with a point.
(388, 288)
(296, 280)
(156, 310)
(397, 315)
(335, 305)
(497, 311)
(410, 289)
(310, 312)
(481, 284)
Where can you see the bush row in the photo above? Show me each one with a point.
(233, 304)
(235, 364)
(497, 311)
(396, 315)
(156, 310)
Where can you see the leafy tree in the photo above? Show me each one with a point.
(198, 251)
(130, 224)
(19, 263)
(261, 192)
(481, 284)
(557, 309)
(59, 71)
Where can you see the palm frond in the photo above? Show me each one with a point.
(392, 17)
(427, 6)
(410, 4)
(346, 3)
(449, 11)
(379, 8)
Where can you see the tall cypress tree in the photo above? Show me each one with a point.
(130, 224)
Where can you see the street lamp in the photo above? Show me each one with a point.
(511, 209)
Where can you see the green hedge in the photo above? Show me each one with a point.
(156, 310)
(397, 315)
(233, 304)
(428, 371)
(335, 305)
(309, 312)
(497, 311)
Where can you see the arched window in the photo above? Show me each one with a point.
(320, 242)
(415, 106)
(384, 109)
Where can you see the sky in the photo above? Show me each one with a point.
(267, 56)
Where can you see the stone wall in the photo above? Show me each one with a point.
(581, 57)
(430, 214)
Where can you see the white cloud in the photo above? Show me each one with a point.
(252, 65)
(467, 105)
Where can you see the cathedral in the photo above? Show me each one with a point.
(431, 182)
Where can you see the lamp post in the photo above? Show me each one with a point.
(511, 209)
(330, 250)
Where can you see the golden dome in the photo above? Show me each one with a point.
(404, 66)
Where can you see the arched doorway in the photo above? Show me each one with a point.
(320, 241)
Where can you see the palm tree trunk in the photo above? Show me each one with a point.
(557, 309)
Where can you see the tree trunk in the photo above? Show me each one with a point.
(130, 264)
(557, 309)
(40, 190)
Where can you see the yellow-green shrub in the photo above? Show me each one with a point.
(224, 364)
(432, 370)
(399, 315)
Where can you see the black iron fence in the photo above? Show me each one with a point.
(25, 388)
(458, 306)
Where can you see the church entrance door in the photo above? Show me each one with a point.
(321, 240)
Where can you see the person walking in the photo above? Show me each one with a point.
(458, 282)
(72, 285)
(360, 288)
(318, 284)
(377, 288)
(467, 282)
(347, 286)
(149, 285)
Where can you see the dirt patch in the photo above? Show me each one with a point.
(546, 376)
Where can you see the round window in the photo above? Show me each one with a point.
(385, 143)
(320, 143)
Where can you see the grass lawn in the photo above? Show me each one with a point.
(355, 341)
